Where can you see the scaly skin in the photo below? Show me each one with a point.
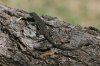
(54, 37)
(41, 28)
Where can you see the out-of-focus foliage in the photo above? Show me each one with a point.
(83, 12)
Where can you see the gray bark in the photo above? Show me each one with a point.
(19, 45)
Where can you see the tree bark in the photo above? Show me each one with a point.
(19, 45)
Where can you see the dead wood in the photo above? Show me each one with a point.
(66, 45)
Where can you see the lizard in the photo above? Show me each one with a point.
(54, 37)
(41, 29)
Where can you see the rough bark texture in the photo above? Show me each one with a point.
(70, 46)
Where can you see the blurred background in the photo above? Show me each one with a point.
(82, 12)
